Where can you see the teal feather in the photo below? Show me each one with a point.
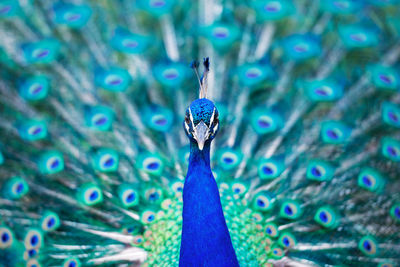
(93, 157)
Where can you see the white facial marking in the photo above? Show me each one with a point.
(191, 117)
(215, 128)
(212, 117)
(187, 128)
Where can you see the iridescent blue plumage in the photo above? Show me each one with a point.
(205, 236)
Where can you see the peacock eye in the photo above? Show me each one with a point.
(287, 240)
(33, 239)
(187, 120)
(50, 221)
(72, 262)
(148, 217)
(6, 237)
(368, 245)
(216, 118)
(138, 239)
(272, 230)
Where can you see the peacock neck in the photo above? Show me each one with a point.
(205, 236)
(199, 160)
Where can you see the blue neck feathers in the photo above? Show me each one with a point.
(205, 236)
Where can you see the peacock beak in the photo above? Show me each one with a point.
(201, 133)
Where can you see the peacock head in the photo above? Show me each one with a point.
(201, 122)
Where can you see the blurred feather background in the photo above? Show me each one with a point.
(93, 153)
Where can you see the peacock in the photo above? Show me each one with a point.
(118, 148)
